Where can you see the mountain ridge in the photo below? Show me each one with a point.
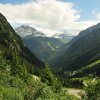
(26, 30)
(80, 51)
(40, 44)
(12, 47)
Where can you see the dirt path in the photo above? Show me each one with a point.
(36, 77)
(76, 92)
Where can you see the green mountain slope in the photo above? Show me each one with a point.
(12, 48)
(39, 43)
(43, 47)
(18, 70)
(91, 69)
(81, 51)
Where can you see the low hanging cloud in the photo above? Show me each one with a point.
(53, 14)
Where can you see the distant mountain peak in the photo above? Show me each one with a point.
(27, 27)
(26, 30)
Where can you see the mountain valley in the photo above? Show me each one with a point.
(40, 44)
(36, 67)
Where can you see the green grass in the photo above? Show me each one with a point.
(49, 44)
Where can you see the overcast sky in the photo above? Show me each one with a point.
(52, 16)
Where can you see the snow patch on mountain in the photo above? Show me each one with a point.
(24, 31)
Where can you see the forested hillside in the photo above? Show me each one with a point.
(49, 50)
(22, 75)
(79, 52)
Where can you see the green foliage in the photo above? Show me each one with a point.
(91, 69)
(73, 83)
(93, 91)
(18, 68)
(9, 93)
(48, 77)
(46, 93)
(15, 87)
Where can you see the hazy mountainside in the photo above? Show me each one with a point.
(64, 36)
(80, 51)
(43, 46)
